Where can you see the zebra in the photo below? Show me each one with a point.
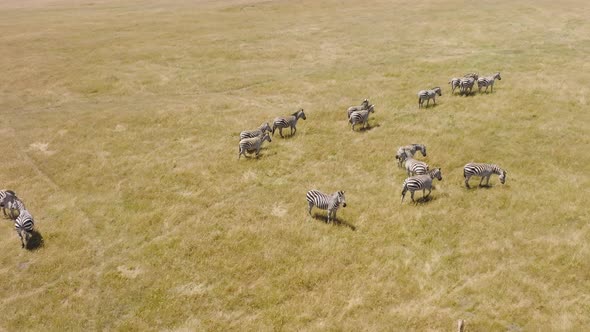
(455, 82)
(23, 225)
(484, 171)
(5, 196)
(326, 202)
(466, 84)
(361, 117)
(11, 203)
(265, 127)
(488, 81)
(252, 145)
(415, 167)
(289, 121)
(363, 106)
(421, 182)
(409, 150)
(427, 95)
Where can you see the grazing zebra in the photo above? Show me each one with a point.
(361, 117)
(409, 150)
(413, 166)
(265, 127)
(466, 85)
(488, 81)
(5, 196)
(455, 83)
(326, 202)
(427, 95)
(484, 171)
(363, 106)
(252, 145)
(289, 121)
(23, 225)
(421, 182)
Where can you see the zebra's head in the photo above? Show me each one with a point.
(341, 198)
(436, 173)
(502, 176)
(300, 114)
(437, 90)
(371, 109)
(497, 76)
(365, 103)
(475, 76)
(265, 127)
(266, 137)
(421, 148)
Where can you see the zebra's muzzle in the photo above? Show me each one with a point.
(343, 204)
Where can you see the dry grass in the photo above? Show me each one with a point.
(120, 123)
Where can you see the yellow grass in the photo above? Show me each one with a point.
(119, 123)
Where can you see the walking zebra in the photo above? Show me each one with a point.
(361, 117)
(421, 182)
(488, 81)
(427, 95)
(5, 196)
(413, 166)
(484, 171)
(23, 225)
(466, 85)
(455, 82)
(252, 145)
(409, 150)
(326, 202)
(288, 121)
(265, 127)
(363, 106)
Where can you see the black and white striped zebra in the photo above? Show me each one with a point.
(326, 202)
(24, 225)
(488, 81)
(409, 150)
(484, 171)
(466, 85)
(361, 117)
(265, 127)
(427, 95)
(421, 182)
(413, 166)
(13, 204)
(455, 82)
(363, 106)
(288, 121)
(252, 145)
(5, 195)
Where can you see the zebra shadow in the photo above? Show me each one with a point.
(368, 128)
(424, 200)
(337, 221)
(35, 242)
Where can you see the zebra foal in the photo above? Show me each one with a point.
(326, 202)
(427, 95)
(252, 145)
(421, 182)
(361, 117)
(288, 121)
(488, 81)
(9, 201)
(484, 171)
(264, 128)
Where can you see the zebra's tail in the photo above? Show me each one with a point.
(404, 191)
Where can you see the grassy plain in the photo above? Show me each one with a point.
(119, 124)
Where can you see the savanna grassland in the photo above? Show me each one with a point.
(119, 123)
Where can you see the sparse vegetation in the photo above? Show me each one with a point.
(119, 122)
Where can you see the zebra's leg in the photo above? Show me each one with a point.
(281, 132)
(420, 102)
(434, 100)
(412, 196)
(481, 181)
(310, 207)
(429, 191)
(329, 214)
(293, 128)
(22, 243)
(467, 181)
(488, 180)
